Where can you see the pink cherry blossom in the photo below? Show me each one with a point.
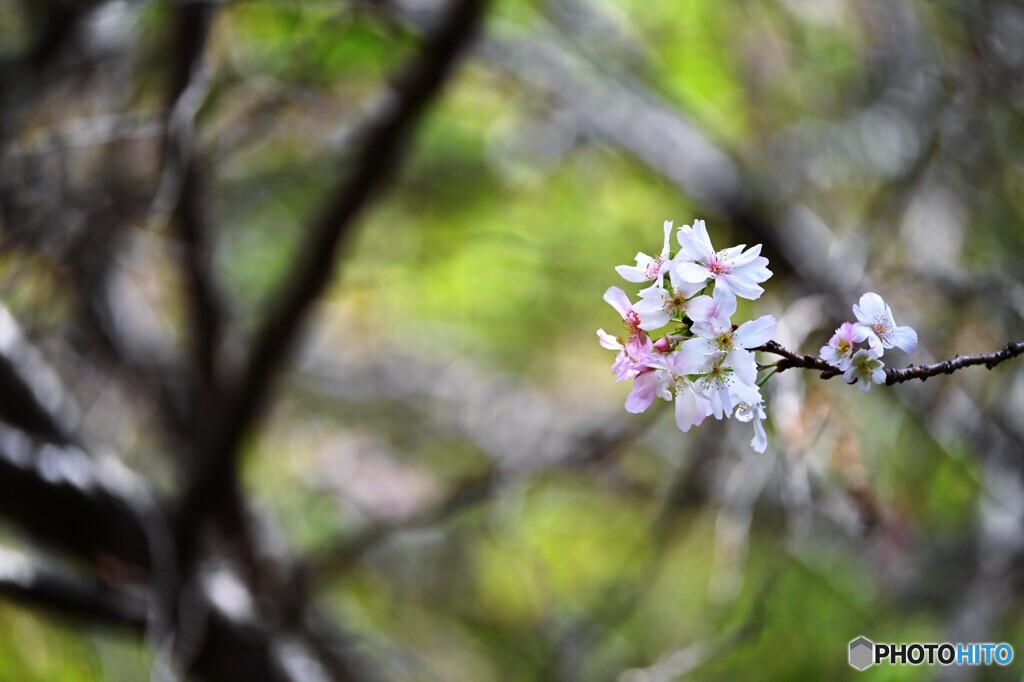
(840, 348)
(646, 386)
(702, 365)
(648, 268)
(632, 357)
(734, 270)
(616, 298)
(664, 344)
(875, 319)
(691, 406)
(865, 368)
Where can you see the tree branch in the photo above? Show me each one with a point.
(31, 396)
(922, 372)
(382, 148)
(66, 594)
(24, 78)
(63, 498)
(791, 360)
(181, 186)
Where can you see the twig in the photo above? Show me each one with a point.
(922, 372)
(337, 556)
(792, 360)
(590, 448)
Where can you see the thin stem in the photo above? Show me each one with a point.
(763, 380)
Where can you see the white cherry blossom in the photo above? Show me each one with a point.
(735, 271)
(866, 369)
(874, 318)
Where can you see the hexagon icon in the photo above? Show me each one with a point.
(862, 653)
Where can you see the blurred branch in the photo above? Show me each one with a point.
(190, 83)
(31, 397)
(181, 188)
(66, 594)
(206, 308)
(680, 663)
(382, 147)
(791, 360)
(589, 448)
(39, 466)
(23, 78)
(336, 557)
(53, 490)
(62, 498)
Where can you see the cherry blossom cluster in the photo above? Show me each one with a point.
(702, 362)
(875, 326)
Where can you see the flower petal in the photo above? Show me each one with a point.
(697, 242)
(688, 413)
(874, 343)
(745, 393)
(616, 298)
(701, 308)
(760, 441)
(667, 245)
(855, 332)
(645, 389)
(871, 306)
(692, 272)
(608, 341)
(905, 338)
(631, 273)
(755, 332)
(739, 284)
(693, 353)
(747, 256)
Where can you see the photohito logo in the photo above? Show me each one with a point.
(864, 653)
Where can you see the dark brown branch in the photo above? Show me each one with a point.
(922, 372)
(52, 490)
(791, 360)
(206, 308)
(384, 144)
(382, 148)
(184, 183)
(30, 394)
(60, 497)
(69, 595)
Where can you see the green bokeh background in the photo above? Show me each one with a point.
(491, 252)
